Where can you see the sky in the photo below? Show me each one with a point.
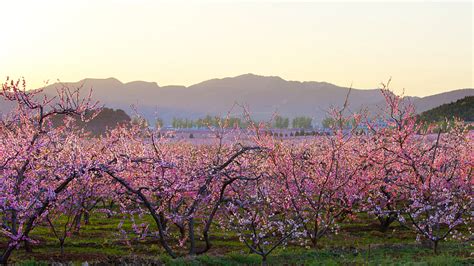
(425, 47)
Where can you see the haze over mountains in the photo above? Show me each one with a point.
(264, 95)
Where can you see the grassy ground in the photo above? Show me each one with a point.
(358, 242)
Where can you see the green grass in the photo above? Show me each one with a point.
(357, 243)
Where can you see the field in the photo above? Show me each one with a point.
(358, 242)
(400, 193)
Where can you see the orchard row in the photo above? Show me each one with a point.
(268, 191)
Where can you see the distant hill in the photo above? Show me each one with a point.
(6, 106)
(263, 95)
(462, 109)
(105, 119)
(432, 101)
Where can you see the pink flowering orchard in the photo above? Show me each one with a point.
(323, 180)
(38, 162)
(427, 179)
(178, 184)
(267, 191)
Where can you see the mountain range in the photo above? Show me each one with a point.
(262, 95)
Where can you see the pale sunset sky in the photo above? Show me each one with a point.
(426, 47)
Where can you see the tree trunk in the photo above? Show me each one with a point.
(386, 221)
(384, 224)
(182, 232)
(164, 221)
(192, 246)
(314, 239)
(314, 242)
(61, 244)
(28, 248)
(77, 223)
(6, 255)
(86, 218)
(435, 247)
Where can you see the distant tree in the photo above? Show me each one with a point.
(302, 122)
(328, 122)
(159, 123)
(174, 123)
(182, 123)
(190, 123)
(209, 121)
(105, 118)
(191, 136)
(138, 120)
(234, 122)
(281, 122)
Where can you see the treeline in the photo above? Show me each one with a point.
(208, 121)
(330, 122)
(279, 122)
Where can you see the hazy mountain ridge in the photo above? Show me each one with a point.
(264, 95)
